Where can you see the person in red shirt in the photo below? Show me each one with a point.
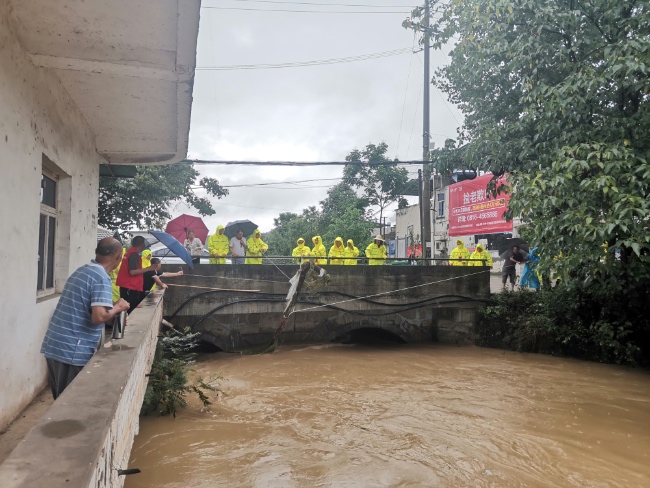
(130, 279)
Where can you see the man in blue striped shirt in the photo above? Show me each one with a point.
(86, 303)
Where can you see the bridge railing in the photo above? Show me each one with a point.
(271, 260)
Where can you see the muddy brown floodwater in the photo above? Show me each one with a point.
(407, 415)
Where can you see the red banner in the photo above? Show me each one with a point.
(473, 211)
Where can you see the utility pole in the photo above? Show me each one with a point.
(420, 200)
(425, 210)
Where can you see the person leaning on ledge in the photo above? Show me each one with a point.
(85, 304)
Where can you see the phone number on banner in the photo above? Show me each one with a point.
(480, 216)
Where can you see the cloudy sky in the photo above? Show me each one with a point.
(314, 113)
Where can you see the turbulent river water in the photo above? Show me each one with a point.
(403, 416)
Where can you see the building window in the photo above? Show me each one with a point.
(441, 205)
(45, 283)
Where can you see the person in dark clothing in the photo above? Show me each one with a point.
(152, 278)
(130, 278)
(510, 269)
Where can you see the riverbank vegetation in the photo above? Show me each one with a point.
(556, 96)
(568, 320)
(171, 378)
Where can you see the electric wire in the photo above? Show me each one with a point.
(301, 64)
(406, 88)
(398, 290)
(307, 295)
(293, 11)
(324, 4)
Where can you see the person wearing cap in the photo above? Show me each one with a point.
(300, 251)
(459, 254)
(376, 252)
(351, 253)
(337, 251)
(480, 253)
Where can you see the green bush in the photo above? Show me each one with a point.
(567, 320)
(171, 378)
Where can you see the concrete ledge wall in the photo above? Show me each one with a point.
(88, 432)
(252, 299)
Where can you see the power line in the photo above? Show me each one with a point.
(286, 10)
(408, 77)
(317, 62)
(299, 163)
(281, 182)
(326, 4)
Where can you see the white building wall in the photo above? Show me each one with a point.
(405, 217)
(37, 116)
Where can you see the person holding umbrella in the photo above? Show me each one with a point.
(194, 246)
(238, 247)
(218, 246)
(255, 248)
(130, 278)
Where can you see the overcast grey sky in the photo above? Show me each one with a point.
(316, 113)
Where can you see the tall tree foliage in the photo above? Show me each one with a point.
(381, 184)
(555, 93)
(144, 201)
(341, 214)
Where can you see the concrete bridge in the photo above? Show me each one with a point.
(237, 307)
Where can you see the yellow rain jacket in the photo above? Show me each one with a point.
(376, 254)
(458, 253)
(113, 275)
(337, 252)
(146, 258)
(255, 248)
(318, 251)
(480, 254)
(350, 251)
(300, 251)
(218, 246)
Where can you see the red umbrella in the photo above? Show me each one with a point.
(180, 226)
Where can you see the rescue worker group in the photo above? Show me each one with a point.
(219, 247)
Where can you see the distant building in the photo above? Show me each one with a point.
(84, 87)
(443, 238)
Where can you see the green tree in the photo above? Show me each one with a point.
(555, 93)
(340, 198)
(546, 84)
(381, 184)
(288, 227)
(144, 201)
(349, 224)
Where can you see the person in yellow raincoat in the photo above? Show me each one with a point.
(113, 275)
(480, 253)
(376, 252)
(337, 251)
(458, 254)
(300, 251)
(218, 246)
(146, 258)
(318, 251)
(350, 252)
(256, 247)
